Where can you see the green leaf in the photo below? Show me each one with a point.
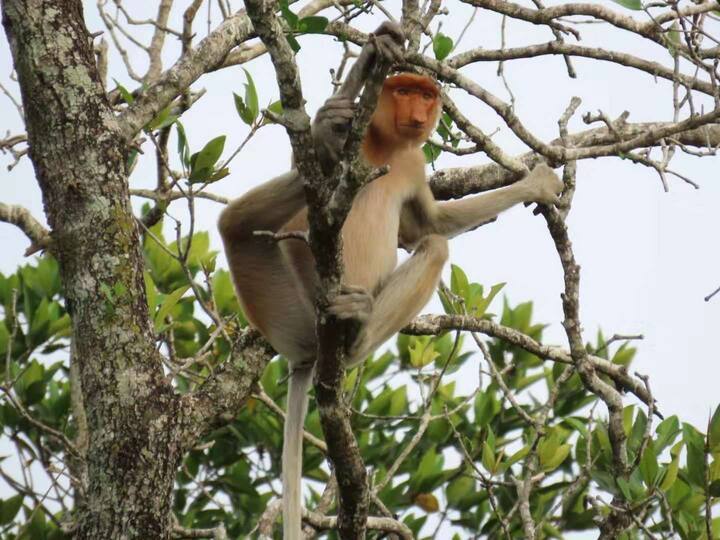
(430, 465)
(442, 46)
(10, 508)
(242, 109)
(422, 352)
(553, 462)
(288, 15)
(714, 431)
(276, 108)
(577, 424)
(398, 401)
(167, 305)
(294, 45)
(380, 404)
(714, 490)
(458, 489)
(488, 458)
(312, 25)
(517, 456)
(248, 109)
(431, 152)
(486, 407)
(31, 385)
(649, 465)
(624, 355)
(224, 293)
(624, 487)
(630, 4)
(4, 338)
(694, 445)
(459, 283)
(667, 431)
(151, 292)
(183, 149)
(218, 175)
(163, 119)
(127, 96)
(671, 473)
(202, 163)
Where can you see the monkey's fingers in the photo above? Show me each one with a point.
(352, 302)
(354, 289)
(389, 50)
(358, 311)
(350, 298)
(391, 29)
(339, 102)
(340, 114)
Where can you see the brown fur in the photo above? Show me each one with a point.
(276, 281)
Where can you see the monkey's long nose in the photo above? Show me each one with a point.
(418, 119)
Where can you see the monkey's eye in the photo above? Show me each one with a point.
(403, 92)
(428, 96)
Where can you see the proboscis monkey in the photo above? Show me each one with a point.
(275, 281)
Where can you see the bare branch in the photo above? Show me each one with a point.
(458, 182)
(226, 389)
(23, 219)
(208, 54)
(654, 69)
(435, 324)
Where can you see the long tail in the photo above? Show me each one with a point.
(300, 380)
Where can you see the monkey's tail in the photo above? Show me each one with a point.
(297, 402)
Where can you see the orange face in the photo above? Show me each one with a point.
(408, 108)
(414, 110)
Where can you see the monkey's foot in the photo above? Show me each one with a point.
(545, 184)
(351, 302)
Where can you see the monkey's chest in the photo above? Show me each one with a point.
(370, 236)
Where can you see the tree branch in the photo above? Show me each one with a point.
(458, 182)
(650, 29)
(226, 390)
(23, 219)
(435, 324)
(211, 52)
(654, 69)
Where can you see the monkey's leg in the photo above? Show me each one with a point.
(271, 298)
(454, 217)
(275, 303)
(402, 296)
(266, 207)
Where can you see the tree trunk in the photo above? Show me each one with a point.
(80, 163)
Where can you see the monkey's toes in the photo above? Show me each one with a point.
(351, 303)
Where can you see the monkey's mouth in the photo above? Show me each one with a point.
(412, 126)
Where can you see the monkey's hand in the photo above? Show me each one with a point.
(544, 185)
(351, 302)
(389, 41)
(330, 129)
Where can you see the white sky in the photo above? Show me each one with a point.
(648, 257)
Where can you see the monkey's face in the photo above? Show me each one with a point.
(415, 112)
(408, 109)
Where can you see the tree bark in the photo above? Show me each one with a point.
(80, 163)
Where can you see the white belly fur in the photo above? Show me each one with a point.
(370, 235)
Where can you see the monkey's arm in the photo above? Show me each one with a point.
(332, 122)
(451, 218)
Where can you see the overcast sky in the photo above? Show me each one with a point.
(648, 257)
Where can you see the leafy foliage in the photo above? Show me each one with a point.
(461, 469)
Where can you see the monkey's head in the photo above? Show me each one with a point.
(408, 109)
